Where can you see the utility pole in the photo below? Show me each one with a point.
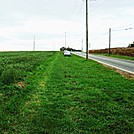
(82, 45)
(34, 44)
(65, 41)
(109, 41)
(86, 29)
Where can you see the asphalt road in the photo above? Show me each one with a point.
(124, 65)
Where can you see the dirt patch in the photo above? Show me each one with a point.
(21, 84)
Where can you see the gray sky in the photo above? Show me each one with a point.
(48, 20)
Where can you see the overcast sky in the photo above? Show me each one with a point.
(47, 20)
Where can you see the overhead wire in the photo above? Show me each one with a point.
(100, 36)
(91, 2)
(114, 29)
(80, 10)
(77, 11)
(92, 10)
(119, 28)
(103, 34)
(130, 28)
(74, 7)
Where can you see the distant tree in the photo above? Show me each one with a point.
(62, 48)
(69, 49)
(131, 45)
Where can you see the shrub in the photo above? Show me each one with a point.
(10, 75)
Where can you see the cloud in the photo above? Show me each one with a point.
(46, 31)
(38, 25)
(49, 20)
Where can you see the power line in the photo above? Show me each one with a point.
(124, 26)
(80, 9)
(98, 6)
(91, 2)
(74, 7)
(130, 28)
(100, 36)
(77, 11)
(103, 34)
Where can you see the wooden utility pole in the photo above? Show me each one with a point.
(86, 29)
(82, 45)
(34, 44)
(109, 41)
(65, 40)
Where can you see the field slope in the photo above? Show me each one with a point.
(67, 95)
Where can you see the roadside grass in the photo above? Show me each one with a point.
(119, 56)
(88, 98)
(67, 95)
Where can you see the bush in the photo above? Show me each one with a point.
(10, 75)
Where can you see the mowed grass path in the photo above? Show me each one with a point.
(71, 96)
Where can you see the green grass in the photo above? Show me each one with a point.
(67, 95)
(119, 56)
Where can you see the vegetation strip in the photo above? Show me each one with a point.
(119, 56)
(70, 95)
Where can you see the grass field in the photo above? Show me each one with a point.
(63, 95)
(119, 56)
